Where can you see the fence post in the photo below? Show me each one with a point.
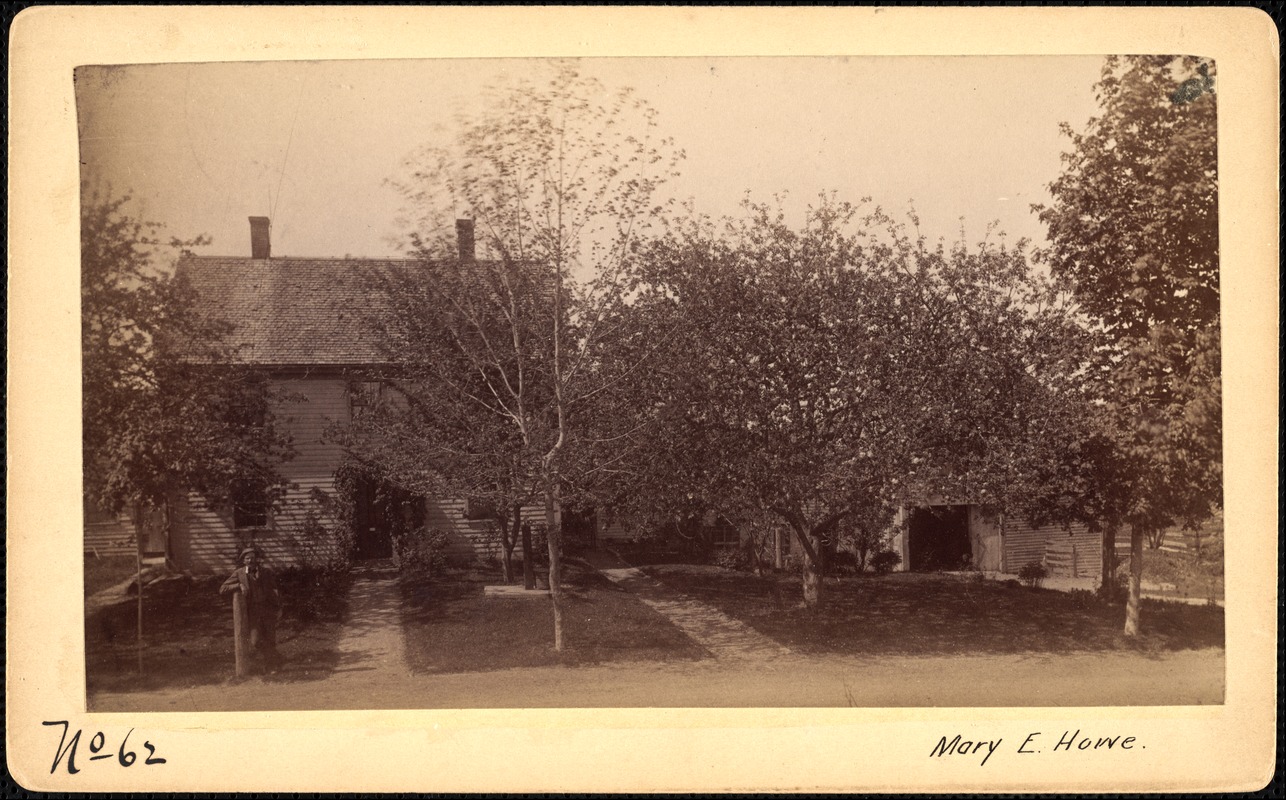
(240, 624)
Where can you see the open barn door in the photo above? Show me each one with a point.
(939, 538)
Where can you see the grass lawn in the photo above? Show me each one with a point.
(926, 614)
(188, 636)
(1190, 577)
(102, 573)
(450, 626)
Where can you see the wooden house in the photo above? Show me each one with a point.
(304, 323)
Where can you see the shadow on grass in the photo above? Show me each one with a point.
(188, 636)
(926, 614)
(103, 572)
(451, 626)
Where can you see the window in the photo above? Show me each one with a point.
(249, 504)
(249, 402)
(476, 508)
(362, 395)
(723, 534)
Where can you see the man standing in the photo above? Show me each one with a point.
(258, 587)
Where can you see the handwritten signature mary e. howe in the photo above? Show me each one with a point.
(1067, 742)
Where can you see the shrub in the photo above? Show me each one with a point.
(730, 558)
(842, 561)
(885, 561)
(324, 539)
(1083, 599)
(421, 550)
(1032, 573)
(314, 593)
(577, 541)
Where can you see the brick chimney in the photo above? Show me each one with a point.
(464, 238)
(260, 242)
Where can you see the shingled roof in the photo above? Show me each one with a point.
(293, 311)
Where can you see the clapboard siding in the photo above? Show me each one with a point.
(310, 408)
(299, 533)
(471, 539)
(114, 538)
(204, 539)
(1024, 543)
(615, 531)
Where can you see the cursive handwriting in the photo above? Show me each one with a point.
(97, 743)
(1068, 742)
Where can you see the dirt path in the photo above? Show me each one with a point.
(371, 647)
(372, 674)
(1192, 677)
(725, 637)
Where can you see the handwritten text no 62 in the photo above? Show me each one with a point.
(126, 758)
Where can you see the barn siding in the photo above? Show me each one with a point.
(985, 540)
(1055, 546)
(1007, 544)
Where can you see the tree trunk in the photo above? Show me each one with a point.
(813, 566)
(528, 572)
(811, 545)
(779, 549)
(812, 583)
(507, 541)
(1107, 586)
(555, 561)
(1136, 581)
(506, 563)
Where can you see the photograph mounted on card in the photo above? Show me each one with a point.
(449, 399)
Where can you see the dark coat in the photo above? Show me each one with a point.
(263, 600)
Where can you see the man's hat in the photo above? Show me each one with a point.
(251, 549)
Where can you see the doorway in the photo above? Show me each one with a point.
(580, 527)
(373, 534)
(939, 538)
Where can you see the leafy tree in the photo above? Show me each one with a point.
(1134, 228)
(559, 178)
(457, 331)
(165, 409)
(825, 374)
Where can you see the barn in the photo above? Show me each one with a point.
(940, 535)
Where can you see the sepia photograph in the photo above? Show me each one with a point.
(652, 382)
(554, 399)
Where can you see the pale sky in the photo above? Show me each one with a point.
(311, 144)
